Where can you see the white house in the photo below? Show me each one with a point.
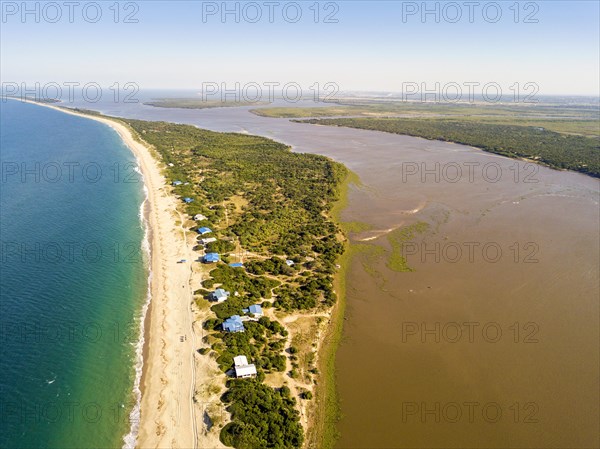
(199, 217)
(240, 360)
(242, 368)
(219, 295)
(207, 240)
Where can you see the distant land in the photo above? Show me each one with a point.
(199, 103)
(568, 118)
(562, 133)
(553, 149)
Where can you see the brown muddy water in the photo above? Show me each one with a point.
(493, 340)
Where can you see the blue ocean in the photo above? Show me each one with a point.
(73, 281)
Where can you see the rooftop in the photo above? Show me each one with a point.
(242, 368)
(220, 293)
(240, 360)
(255, 309)
(212, 257)
(233, 324)
(245, 371)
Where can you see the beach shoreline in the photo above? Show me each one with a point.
(178, 387)
(167, 381)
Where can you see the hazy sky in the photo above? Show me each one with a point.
(372, 46)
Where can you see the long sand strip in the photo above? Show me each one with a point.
(167, 415)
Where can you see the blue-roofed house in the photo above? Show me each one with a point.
(204, 230)
(188, 200)
(233, 324)
(219, 295)
(255, 310)
(211, 258)
(236, 265)
(177, 183)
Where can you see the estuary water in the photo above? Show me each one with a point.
(489, 335)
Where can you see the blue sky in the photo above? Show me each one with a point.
(370, 47)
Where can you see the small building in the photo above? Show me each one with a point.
(176, 183)
(233, 324)
(204, 230)
(171, 164)
(256, 310)
(289, 263)
(242, 368)
(207, 240)
(236, 265)
(188, 200)
(200, 217)
(211, 258)
(219, 295)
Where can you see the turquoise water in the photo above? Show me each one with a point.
(73, 280)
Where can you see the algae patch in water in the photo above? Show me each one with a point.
(356, 226)
(397, 238)
(370, 255)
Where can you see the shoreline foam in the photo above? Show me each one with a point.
(130, 439)
(165, 361)
(148, 417)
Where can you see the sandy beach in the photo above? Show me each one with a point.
(168, 376)
(181, 388)
(169, 372)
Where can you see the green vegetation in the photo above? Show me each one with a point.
(307, 395)
(236, 280)
(397, 238)
(583, 127)
(198, 103)
(581, 119)
(275, 266)
(288, 194)
(356, 226)
(323, 433)
(315, 289)
(259, 343)
(270, 204)
(262, 417)
(547, 147)
(220, 246)
(370, 255)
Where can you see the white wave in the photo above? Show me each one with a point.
(130, 440)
